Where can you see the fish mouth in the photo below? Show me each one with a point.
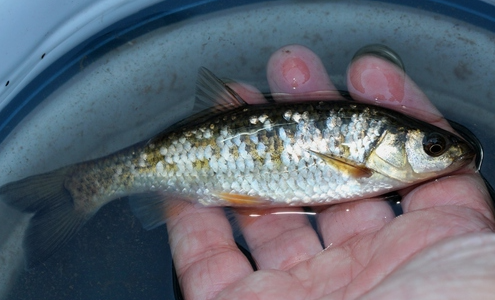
(472, 150)
(468, 156)
(470, 144)
(465, 157)
(467, 151)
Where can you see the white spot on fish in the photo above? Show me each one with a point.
(288, 115)
(285, 158)
(245, 185)
(189, 166)
(179, 148)
(142, 160)
(249, 164)
(235, 186)
(191, 155)
(296, 117)
(240, 165)
(207, 152)
(213, 164)
(222, 165)
(263, 118)
(163, 151)
(242, 151)
(267, 125)
(159, 168)
(237, 140)
(260, 148)
(268, 162)
(231, 164)
(282, 135)
(254, 138)
(225, 153)
(305, 116)
(224, 132)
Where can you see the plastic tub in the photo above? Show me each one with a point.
(87, 78)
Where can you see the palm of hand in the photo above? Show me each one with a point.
(369, 254)
(380, 256)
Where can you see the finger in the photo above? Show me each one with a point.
(205, 255)
(294, 69)
(378, 81)
(248, 93)
(339, 223)
(280, 241)
(280, 238)
(374, 80)
(462, 191)
(271, 237)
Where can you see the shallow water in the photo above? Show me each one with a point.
(134, 88)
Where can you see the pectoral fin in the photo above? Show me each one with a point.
(345, 165)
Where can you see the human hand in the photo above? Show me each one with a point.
(441, 247)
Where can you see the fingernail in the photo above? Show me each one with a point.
(295, 72)
(376, 81)
(380, 51)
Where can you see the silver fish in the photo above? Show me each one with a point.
(285, 154)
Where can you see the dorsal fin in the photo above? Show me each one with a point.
(212, 93)
(213, 96)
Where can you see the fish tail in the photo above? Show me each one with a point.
(55, 218)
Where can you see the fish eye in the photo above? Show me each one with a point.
(434, 144)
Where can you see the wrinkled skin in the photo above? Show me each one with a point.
(440, 248)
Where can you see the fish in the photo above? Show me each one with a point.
(302, 153)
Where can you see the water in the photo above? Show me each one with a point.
(140, 81)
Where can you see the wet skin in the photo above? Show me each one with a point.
(441, 247)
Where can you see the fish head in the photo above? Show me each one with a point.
(413, 155)
(437, 151)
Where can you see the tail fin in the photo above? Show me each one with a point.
(55, 219)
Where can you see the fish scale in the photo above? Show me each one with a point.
(234, 154)
(217, 157)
